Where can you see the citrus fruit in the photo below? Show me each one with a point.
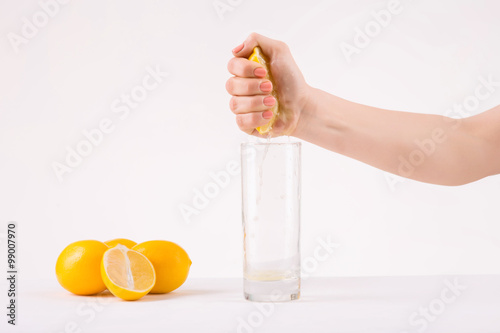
(126, 273)
(170, 261)
(123, 241)
(259, 57)
(78, 267)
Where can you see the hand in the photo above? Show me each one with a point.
(252, 93)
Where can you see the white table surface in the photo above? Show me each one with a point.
(334, 305)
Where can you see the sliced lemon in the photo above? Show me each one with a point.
(123, 241)
(259, 57)
(126, 273)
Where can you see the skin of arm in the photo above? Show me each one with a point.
(424, 147)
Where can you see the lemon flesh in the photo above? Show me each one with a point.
(126, 273)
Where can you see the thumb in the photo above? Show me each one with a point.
(269, 46)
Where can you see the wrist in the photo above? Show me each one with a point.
(320, 120)
(306, 113)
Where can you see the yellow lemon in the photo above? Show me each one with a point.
(123, 241)
(259, 57)
(78, 267)
(127, 273)
(170, 261)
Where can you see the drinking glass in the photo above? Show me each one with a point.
(271, 220)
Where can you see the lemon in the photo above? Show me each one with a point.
(78, 267)
(123, 241)
(259, 57)
(127, 273)
(170, 261)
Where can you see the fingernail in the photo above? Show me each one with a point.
(259, 72)
(238, 48)
(266, 86)
(267, 114)
(269, 101)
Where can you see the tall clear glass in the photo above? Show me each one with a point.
(271, 220)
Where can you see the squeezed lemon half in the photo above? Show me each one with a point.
(259, 57)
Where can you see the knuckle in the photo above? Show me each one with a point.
(248, 87)
(230, 85)
(253, 36)
(240, 121)
(257, 87)
(250, 70)
(258, 101)
(231, 64)
(282, 46)
(232, 104)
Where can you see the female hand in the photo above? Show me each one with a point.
(252, 93)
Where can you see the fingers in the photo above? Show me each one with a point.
(245, 104)
(245, 68)
(249, 121)
(269, 46)
(251, 100)
(238, 86)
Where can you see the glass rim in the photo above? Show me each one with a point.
(245, 144)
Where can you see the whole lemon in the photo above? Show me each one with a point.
(78, 267)
(170, 261)
(123, 241)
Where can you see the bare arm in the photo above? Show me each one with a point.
(424, 147)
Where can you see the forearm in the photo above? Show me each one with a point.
(428, 148)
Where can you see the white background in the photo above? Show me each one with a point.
(64, 79)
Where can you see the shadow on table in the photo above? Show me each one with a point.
(176, 294)
(151, 297)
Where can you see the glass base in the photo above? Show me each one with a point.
(272, 291)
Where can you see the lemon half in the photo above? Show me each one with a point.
(259, 57)
(126, 273)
